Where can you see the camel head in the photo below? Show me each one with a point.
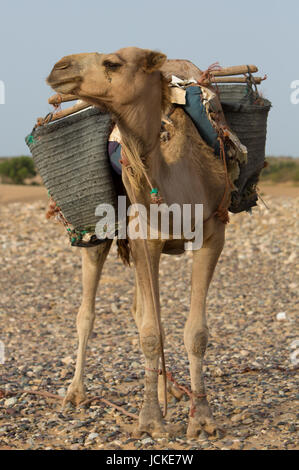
(109, 80)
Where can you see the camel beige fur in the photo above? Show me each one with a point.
(129, 85)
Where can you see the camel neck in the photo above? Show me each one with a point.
(142, 126)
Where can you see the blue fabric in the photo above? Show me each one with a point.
(114, 152)
(196, 110)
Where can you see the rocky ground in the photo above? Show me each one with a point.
(251, 361)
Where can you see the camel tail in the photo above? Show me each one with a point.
(123, 250)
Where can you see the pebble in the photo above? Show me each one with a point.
(92, 436)
(293, 428)
(295, 357)
(147, 441)
(10, 402)
(295, 344)
(282, 316)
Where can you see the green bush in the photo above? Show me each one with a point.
(281, 170)
(18, 169)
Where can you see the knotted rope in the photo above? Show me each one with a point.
(186, 390)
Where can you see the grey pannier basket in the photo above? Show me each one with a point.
(246, 114)
(71, 157)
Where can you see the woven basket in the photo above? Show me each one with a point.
(246, 114)
(71, 157)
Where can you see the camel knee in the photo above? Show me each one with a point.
(85, 320)
(150, 343)
(196, 341)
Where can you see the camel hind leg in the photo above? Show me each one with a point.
(196, 329)
(93, 260)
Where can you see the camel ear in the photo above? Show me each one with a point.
(153, 61)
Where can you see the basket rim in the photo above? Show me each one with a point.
(70, 120)
(244, 107)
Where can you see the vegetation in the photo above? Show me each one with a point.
(281, 170)
(17, 169)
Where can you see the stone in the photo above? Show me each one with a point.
(92, 436)
(147, 441)
(282, 316)
(10, 402)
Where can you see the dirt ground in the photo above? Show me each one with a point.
(18, 193)
(251, 364)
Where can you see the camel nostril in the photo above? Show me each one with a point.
(61, 66)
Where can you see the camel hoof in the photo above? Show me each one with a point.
(137, 434)
(151, 421)
(74, 397)
(205, 427)
(203, 422)
(154, 430)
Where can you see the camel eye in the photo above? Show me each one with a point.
(111, 65)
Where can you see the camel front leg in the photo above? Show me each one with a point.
(150, 418)
(93, 260)
(137, 304)
(137, 314)
(196, 330)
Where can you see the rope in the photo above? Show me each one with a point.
(154, 299)
(156, 199)
(222, 211)
(183, 388)
(57, 397)
(206, 77)
(256, 97)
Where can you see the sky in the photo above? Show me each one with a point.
(34, 34)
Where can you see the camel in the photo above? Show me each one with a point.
(130, 85)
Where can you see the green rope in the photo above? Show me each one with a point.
(77, 235)
(30, 139)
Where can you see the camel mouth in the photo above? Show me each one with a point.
(64, 86)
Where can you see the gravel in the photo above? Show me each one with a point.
(251, 361)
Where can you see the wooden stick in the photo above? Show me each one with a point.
(65, 112)
(235, 70)
(257, 80)
(61, 98)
